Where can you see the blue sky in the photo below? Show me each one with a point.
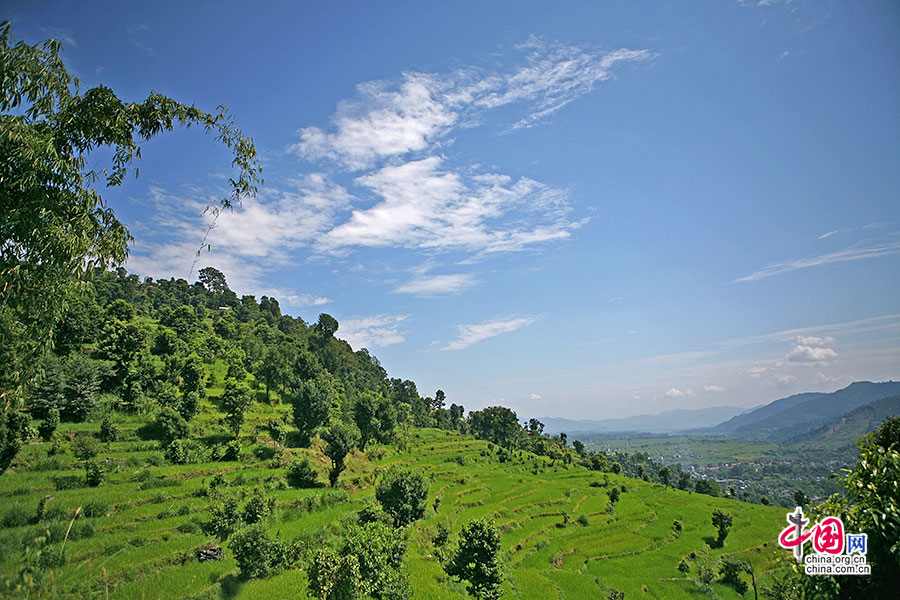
(585, 210)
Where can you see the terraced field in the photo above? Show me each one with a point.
(137, 535)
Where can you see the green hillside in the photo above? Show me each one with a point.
(156, 449)
(815, 412)
(840, 436)
(141, 532)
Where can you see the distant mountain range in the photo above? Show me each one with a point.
(667, 422)
(791, 418)
(843, 432)
(810, 419)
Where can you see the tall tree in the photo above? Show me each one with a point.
(213, 280)
(311, 402)
(477, 559)
(56, 228)
(496, 424)
(340, 440)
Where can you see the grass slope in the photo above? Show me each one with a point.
(141, 539)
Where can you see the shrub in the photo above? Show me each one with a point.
(109, 432)
(257, 554)
(278, 431)
(49, 424)
(177, 452)
(52, 557)
(583, 521)
(172, 425)
(257, 508)
(94, 475)
(367, 564)
(372, 513)
(224, 517)
(189, 527)
(232, 451)
(402, 494)
(301, 475)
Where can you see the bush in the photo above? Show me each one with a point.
(402, 494)
(171, 425)
(224, 516)
(257, 554)
(614, 495)
(373, 513)
(278, 431)
(301, 475)
(49, 424)
(109, 432)
(257, 508)
(177, 452)
(368, 564)
(228, 452)
(52, 557)
(94, 475)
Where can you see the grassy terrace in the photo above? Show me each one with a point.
(559, 541)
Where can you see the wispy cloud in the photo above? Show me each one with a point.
(246, 243)
(713, 389)
(472, 334)
(374, 331)
(847, 254)
(425, 206)
(392, 119)
(806, 334)
(436, 285)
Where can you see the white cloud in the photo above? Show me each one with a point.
(756, 372)
(437, 284)
(472, 334)
(536, 396)
(713, 388)
(427, 207)
(374, 331)
(847, 254)
(245, 243)
(389, 120)
(383, 122)
(813, 354)
(781, 380)
(676, 393)
(813, 340)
